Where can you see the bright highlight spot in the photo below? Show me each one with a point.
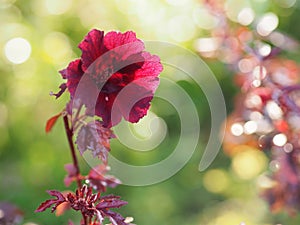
(246, 16)
(249, 163)
(256, 83)
(250, 127)
(265, 50)
(207, 44)
(128, 219)
(267, 24)
(17, 50)
(255, 116)
(215, 180)
(264, 126)
(279, 140)
(273, 110)
(259, 72)
(253, 101)
(237, 129)
(233, 9)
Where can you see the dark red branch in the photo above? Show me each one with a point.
(69, 133)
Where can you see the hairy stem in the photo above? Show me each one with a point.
(69, 133)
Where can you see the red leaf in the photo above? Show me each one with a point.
(94, 137)
(51, 122)
(110, 201)
(48, 203)
(115, 218)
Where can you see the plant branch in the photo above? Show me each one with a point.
(69, 133)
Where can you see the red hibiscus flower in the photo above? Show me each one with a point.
(114, 77)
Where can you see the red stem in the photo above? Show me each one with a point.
(84, 219)
(69, 133)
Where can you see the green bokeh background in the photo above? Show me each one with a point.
(32, 161)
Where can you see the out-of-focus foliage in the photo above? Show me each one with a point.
(45, 34)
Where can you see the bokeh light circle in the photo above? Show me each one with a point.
(17, 50)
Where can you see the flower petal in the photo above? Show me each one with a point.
(151, 67)
(130, 44)
(92, 47)
(134, 100)
(104, 109)
(112, 63)
(73, 73)
(139, 110)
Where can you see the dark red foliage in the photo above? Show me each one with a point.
(83, 200)
(114, 217)
(99, 181)
(114, 78)
(112, 62)
(52, 202)
(97, 178)
(94, 137)
(92, 206)
(108, 202)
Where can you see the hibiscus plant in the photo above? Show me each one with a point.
(114, 78)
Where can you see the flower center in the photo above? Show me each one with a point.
(100, 76)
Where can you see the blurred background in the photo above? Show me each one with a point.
(40, 37)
